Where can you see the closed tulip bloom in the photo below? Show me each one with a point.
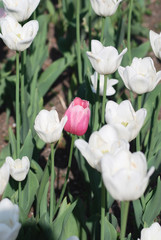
(105, 60)
(105, 8)
(78, 114)
(18, 168)
(4, 177)
(15, 36)
(21, 10)
(123, 117)
(48, 127)
(155, 40)
(9, 220)
(110, 83)
(125, 174)
(100, 142)
(151, 233)
(141, 76)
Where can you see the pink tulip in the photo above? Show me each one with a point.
(78, 115)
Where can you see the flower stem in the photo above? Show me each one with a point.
(104, 100)
(138, 147)
(78, 42)
(67, 175)
(17, 104)
(103, 191)
(52, 192)
(129, 29)
(124, 214)
(103, 28)
(90, 25)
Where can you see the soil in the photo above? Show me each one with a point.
(56, 97)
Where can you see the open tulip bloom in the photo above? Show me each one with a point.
(125, 174)
(153, 232)
(21, 10)
(155, 40)
(105, 60)
(105, 8)
(18, 168)
(78, 114)
(100, 142)
(48, 127)
(110, 83)
(141, 76)
(4, 177)
(9, 220)
(123, 117)
(15, 36)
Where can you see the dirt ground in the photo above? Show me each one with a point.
(55, 97)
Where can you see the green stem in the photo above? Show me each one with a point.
(90, 25)
(19, 194)
(78, 42)
(103, 28)
(138, 147)
(67, 175)
(96, 112)
(52, 192)
(103, 192)
(129, 29)
(17, 104)
(104, 100)
(124, 214)
(23, 63)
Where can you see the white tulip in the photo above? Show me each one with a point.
(48, 126)
(105, 60)
(17, 37)
(18, 168)
(3, 14)
(21, 10)
(125, 174)
(141, 76)
(123, 117)
(4, 177)
(105, 7)
(110, 83)
(153, 232)
(155, 40)
(100, 142)
(9, 220)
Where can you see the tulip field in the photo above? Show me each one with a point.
(106, 134)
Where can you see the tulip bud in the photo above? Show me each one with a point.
(105, 8)
(18, 168)
(153, 232)
(155, 40)
(78, 115)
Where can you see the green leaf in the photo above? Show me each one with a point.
(138, 211)
(27, 148)
(153, 207)
(141, 51)
(110, 232)
(28, 193)
(44, 201)
(52, 73)
(62, 218)
(13, 141)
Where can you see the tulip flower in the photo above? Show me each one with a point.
(155, 40)
(105, 8)
(141, 76)
(4, 177)
(9, 220)
(21, 10)
(110, 83)
(100, 142)
(78, 114)
(105, 60)
(18, 168)
(73, 238)
(17, 37)
(3, 14)
(125, 174)
(153, 232)
(48, 127)
(123, 117)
